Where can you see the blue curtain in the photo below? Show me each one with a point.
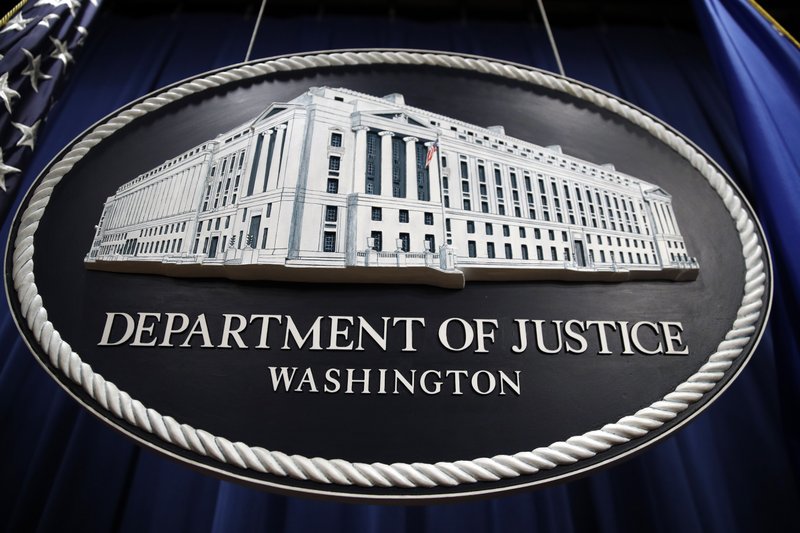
(734, 468)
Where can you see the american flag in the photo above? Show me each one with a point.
(38, 43)
(432, 149)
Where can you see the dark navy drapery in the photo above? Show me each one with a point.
(734, 468)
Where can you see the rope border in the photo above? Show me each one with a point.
(402, 475)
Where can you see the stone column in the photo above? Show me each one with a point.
(261, 164)
(434, 182)
(275, 164)
(411, 166)
(386, 163)
(360, 161)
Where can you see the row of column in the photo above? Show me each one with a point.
(261, 178)
(664, 218)
(169, 196)
(360, 165)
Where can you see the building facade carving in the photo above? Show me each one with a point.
(336, 185)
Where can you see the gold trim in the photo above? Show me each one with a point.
(775, 23)
(14, 10)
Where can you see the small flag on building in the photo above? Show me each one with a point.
(38, 40)
(432, 149)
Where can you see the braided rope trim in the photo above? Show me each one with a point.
(402, 475)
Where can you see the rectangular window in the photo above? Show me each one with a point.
(489, 229)
(490, 250)
(499, 192)
(482, 175)
(470, 226)
(465, 186)
(404, 216)
(405, 242)
(264, 238)
(377, 240)
(525, 251)
(484, 207)
(553, 253)
(429, 219)
(377, 213)
(464, 173)
(537, 233)
(522, 232)
(566, 254)
(506, 231)
(564, 236)
(333, 186)
(447, 224)
(472, 249)
(430, 243)
(501, 209)
(336, 140)
(329, 241)
(498, 180)
(509, 254)
(467, 205)
(331, 213)
(334, 162)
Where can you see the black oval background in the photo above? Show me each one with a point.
(226, 392)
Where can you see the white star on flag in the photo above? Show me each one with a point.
(5, 169)
(34, 70)
(60, 52)
(7, 94)
(47, 18)
(72, 5)
(17, 23)
(28, 133)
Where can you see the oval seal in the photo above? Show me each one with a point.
(388, 275)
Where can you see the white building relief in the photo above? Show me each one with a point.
(341, 186)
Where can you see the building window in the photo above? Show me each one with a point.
(472, 250)
(331, 213)
(377, 240)
(465, 186)
(377, 213)
(501, 209)
(447, 224)
(537, 233)
(405, 242)
(333, 186)
(464, 173)
(467, 205)
(490, 250)
(489, 229)
(430, 243)
(484, 207)
(404, 216)
(334, 163)
(566, 254)
(329, 241)
(525, 251)
(470, 226)
(506, 231)
(429, 219)
(509, 254)
(263, 238)
(269, 209)
(539, 253)
(551, 235)
(553, 253)
(336, 140)
(522, 232)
